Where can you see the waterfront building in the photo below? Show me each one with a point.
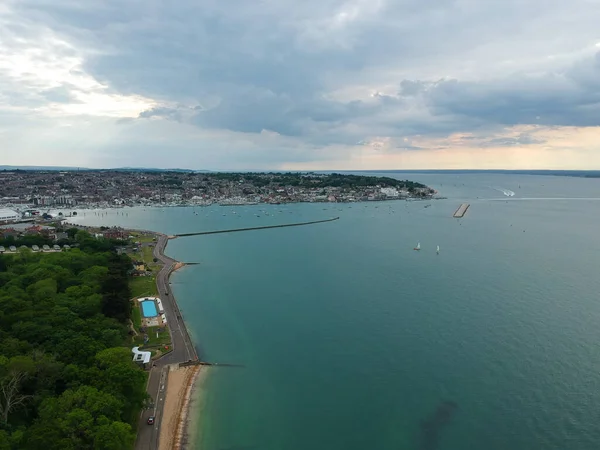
(8, 215)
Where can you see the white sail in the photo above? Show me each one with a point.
(438, 249)
(418, 247)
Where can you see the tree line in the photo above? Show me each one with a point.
(67, 380)
(313, 180)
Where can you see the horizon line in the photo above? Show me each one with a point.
(7, 168)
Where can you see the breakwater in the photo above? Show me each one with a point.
(234, 230)
(461, 211)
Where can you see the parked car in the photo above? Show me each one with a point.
(150, 420)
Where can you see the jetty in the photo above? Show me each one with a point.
(461, 211)
(297, 224)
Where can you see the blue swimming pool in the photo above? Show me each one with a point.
(149, 308)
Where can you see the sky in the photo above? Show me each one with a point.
(301, 85)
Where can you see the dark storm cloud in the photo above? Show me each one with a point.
(570, 98)
(249, 67)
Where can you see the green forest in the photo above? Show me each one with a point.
(67, 380)
(311, 180)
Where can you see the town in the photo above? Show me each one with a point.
(22, 191)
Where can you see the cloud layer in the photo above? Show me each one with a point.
(314, 84)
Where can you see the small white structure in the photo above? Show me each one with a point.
(139, 356)
(8, 215)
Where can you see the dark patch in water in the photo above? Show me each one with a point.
(432, 426)
(252, 447)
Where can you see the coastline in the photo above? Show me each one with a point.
(106, 206)
(173, 376)
(180, 388)
(177, 393)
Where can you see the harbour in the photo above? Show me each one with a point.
(356, 291)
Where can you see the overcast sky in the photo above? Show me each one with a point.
(311, 84)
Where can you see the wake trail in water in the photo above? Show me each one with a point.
(544, 198)
(506, 192)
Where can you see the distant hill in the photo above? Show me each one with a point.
(557, 173)
(121, 169)
(41, 168)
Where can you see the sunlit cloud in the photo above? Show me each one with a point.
(42, 66)
(519, 147)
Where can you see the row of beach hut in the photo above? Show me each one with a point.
(35, 248)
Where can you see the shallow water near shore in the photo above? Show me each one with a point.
(352, 340)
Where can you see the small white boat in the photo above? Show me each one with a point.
(418, 247)
(437, 250)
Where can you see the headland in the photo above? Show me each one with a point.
(110, 189)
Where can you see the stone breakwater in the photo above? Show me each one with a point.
(298, 224)
(461, 211)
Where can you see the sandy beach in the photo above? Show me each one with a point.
(180, 387)
(178, 265)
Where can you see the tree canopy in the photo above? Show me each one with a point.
(67, 380)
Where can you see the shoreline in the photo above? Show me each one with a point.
(171, 438)
(173, 375)
(180, 388)
(163, 277)
(92, 207)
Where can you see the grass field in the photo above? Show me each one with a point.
(164, 338)
(136, 315)
(143, 286)
(148, 257)
(143, 238)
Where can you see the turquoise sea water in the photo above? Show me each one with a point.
(351, 340)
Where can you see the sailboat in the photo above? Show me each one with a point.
(437, 250)
(418, 247)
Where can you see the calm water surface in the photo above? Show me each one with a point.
(350, 340)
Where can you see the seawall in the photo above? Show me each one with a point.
(234, 230)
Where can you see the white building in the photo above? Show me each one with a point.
(8, 215)
(140, 356)
(390, 192)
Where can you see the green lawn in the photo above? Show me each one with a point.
(143, 286)
(148, 257)
(136, 315)
(164, 338)
(138, 237)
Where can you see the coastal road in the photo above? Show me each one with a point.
(147, 436)
(182, 350)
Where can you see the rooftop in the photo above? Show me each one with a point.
(8, 212)
(140, 356)
(24, 226)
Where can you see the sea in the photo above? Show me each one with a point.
(343, 337)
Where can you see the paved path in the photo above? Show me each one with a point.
(183, 350)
